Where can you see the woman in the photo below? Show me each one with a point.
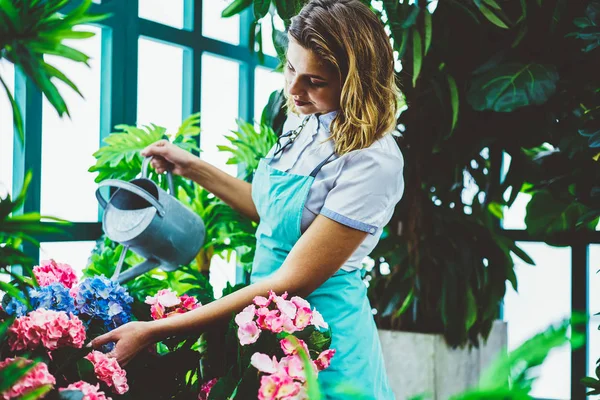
(322, 195)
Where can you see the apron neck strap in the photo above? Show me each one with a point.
(321, 164)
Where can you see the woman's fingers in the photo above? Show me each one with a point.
(103, 339)
(156, 149)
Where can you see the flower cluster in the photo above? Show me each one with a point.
(166, 303)
(55, 296)
(205, 389)
(102, 299)
(286, 378)
(49, 271)
(48, 328)
(276, 314)
(107, 370)
(35, 378)
(90, 392)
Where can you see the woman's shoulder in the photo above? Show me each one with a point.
(383, 153)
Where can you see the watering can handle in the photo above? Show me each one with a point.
(145, 164)
(130, 188)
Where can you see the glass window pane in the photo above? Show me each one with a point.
(594, 304)
(160, 84)
(219, 106)
(76, 254)
(67, 189)
(164, 12)
(221, 272)
(7, 72)
(544, 298)
(267, 34)
(266, 81)
(514, 216)
(213, 26)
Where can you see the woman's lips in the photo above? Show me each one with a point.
(300, 103)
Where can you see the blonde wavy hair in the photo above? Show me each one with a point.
(349, 36)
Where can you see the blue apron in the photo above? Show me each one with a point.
(357, 370)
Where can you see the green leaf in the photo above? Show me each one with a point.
(514, 368)
(454, 101)
(508, 87)
(37, 393)
(428, 30)
(471, 309)
(286, 9)
(17, 118)
(261, 8)
(492, 4)
(12, 373)
(85, 369)
(489, 14)
(236, 7)
(547, 215)
(405, 304)
(417, 56)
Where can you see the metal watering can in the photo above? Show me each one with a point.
(153, 223)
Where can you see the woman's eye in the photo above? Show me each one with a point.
(318, 83)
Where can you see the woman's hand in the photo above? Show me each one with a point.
(167, 156)
(130, 339)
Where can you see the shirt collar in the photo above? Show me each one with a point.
(325, 119)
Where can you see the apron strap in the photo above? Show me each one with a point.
(318, 167)
(292, 134)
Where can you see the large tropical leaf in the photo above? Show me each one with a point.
(120, 158)
(248, 145)
(29, 30)
(548, 215)
(508, 87)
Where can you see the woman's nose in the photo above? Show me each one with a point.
(295, 87)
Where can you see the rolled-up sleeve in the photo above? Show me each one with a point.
(369, 186)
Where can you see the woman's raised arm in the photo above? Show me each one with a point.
(233, 191)
(320, 252)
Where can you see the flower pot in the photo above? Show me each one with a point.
(419, 363)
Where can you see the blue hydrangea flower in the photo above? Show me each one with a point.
(101, 298)
(15, 308)
(52, 297)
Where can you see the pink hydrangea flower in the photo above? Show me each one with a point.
(165, 297)
(277, 386)
(303, 317)
(300, 302)
(49, 271)
(48, 328)
(166, 303)
(189, 303)
(318, 321)
(37, 377)
(264, 363)
(205, 389)
(246, 315)
(248, 333)
(324, 359)
(90, 392)
(107, 370)
(261, 301)
(286, 307)
(294, 367)
(290, 348)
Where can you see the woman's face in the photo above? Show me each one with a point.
(313, 85)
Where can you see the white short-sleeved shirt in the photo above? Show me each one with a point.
(359, 189)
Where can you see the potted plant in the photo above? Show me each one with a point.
(480, 79)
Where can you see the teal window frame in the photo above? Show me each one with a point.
(119, 84)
